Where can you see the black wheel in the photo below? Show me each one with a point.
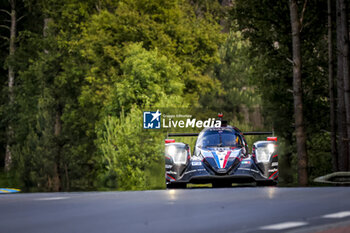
(221, 185)
(266, 183)
(176, 186)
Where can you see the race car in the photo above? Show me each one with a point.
(221, 157)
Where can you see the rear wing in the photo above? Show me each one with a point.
(183, 134)
(196, 134)
(257, 133)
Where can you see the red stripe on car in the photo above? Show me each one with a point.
(226, 158)
(273, 174)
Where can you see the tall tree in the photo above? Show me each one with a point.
(56, 180)
(345, 54)
(331, 90)
(268, 27)
(343, 149)
(11, 78)
(78, 76)
(298, 93)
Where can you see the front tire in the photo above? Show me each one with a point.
(266, 183)
(221, 184)
(176, 185)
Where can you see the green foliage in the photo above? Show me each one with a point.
(95, 61)
(9, 180)
(36, 158)
(267, 26)
(147, 77)
(320, 159)
(80, 89)
(132, 155)
(235, 74)
(172, 28)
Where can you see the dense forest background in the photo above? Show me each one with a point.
(76, 75)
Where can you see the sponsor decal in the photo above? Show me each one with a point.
(197, 163)
(245, 162)
(221, 170)
(273, 170)
(247, 169)
(171, 172)
(197, 170)
(274, 164)
(167, 166)
(190, 172)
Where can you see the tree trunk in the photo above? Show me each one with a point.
(56, 171)
(341, 116)
(298, 96)
(11, 81)
(345, 53)
(56, 179)
(331, 90)
(45, 30)
(223, 20)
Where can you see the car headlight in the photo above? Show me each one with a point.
(179, 155)
(263, 154)
(271, 148)
(171, 150)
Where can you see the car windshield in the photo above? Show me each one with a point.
(220, 138)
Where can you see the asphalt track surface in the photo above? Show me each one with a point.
(253, 209)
